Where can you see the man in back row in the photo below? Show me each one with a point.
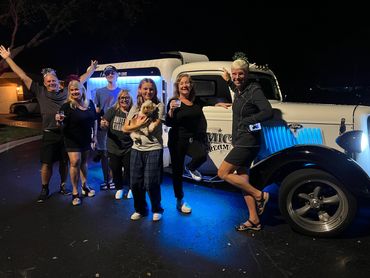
(104, 98)
(50, 98)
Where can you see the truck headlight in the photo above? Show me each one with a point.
(354, 141)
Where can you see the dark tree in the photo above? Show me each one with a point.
(27, 24)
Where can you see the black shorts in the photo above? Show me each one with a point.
(52, 148)
(242, 157)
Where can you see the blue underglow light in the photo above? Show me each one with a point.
(277, 138)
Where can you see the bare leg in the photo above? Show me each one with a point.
(227, 173)
(240, 179)
(249, 200)
(74, 169)
(83, 170)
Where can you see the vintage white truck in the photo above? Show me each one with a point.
(317, 154)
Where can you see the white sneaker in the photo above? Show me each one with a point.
(157, 216)
(129, 194)
(76, 201)
(183, 207)
(119, 194)
(195, 175)
(136, 216)
(87, 191)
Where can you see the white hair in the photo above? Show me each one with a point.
(240, 64)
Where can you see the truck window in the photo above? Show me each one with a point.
(267, 83)
(211, 89)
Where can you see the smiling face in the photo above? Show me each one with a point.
(239, 77)
(51, 82)
(185, 87)
(75, 92)
(147, 91)
(124, 100)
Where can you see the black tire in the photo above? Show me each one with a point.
(21, 111)
(315, 203)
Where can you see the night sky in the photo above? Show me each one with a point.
(301, 45)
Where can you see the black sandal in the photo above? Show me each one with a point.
(253, 227)
(261, 203)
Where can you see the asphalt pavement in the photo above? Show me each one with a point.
(98, 239)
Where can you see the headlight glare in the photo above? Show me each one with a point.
(354, 141)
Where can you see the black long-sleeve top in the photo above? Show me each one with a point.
(250, 106)
(188, 121)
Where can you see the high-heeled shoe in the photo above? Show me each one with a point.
(87, 191)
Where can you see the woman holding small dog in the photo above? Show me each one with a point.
(187, 136)
(146, 161)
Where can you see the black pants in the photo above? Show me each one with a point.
(116, 162)
(178, 150)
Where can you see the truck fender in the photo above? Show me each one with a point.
(277, 166)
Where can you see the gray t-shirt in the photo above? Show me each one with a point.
(50, 103)
(104, 99)
(154, 141)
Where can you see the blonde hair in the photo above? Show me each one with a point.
(140, 98)
(73, 103)
(121, 93)
(240, 64)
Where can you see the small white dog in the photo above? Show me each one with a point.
(150, 110)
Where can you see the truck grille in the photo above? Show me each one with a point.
(277, 138)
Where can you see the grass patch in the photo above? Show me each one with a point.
(13, 133)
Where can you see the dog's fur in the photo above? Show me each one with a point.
(150, 110)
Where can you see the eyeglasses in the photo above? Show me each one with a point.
(124, 98)
(46, 71)
(109, 72)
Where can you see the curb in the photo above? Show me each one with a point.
(12, 144)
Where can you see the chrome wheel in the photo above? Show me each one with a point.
(316, 203)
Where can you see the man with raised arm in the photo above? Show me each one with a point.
(50, 98)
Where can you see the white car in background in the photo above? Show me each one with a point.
(25, 107)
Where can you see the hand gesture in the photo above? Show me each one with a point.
(4, 53)
(94, 64)
(226, 75)
(104, 123)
